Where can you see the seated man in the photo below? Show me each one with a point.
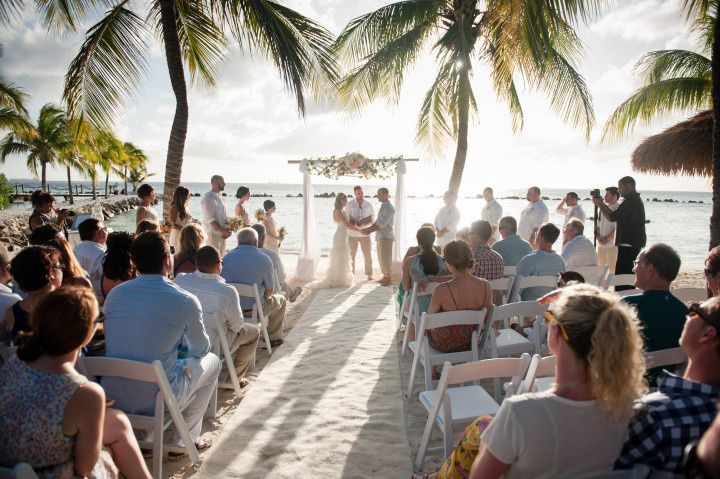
(246, 264)
(147, 318)
(661, 314)
(541, 262)
(683, 407)
(488, 263)
(290, 293)
(90, 252)
(7, 297)
(578, 250)
(218, 297)
(511, 247)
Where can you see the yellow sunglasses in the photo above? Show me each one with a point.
(549, 316)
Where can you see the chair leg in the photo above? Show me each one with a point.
(158, 444)
(266, 337)
(413, 369)
(406, 336)
(447, 438)
(427, 367)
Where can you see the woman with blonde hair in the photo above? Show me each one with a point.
(578, 427)
(339, 272)
(192, 238)
(179, 216)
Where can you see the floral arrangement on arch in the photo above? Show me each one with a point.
(353, 164)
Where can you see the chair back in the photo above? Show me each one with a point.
(519, 309)
(250, 291)
(665, 357)
(429, 289)
(620, 280)
(20, 471)
(483, 369)
(509, 270)
(214, 328)
(524, 282)
(690, 295)
(539, 367)
(502, 284)
(628, 292)
(594, 275)
(450, 318)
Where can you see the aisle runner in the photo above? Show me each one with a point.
(328, 404)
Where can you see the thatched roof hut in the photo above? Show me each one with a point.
(685, 149)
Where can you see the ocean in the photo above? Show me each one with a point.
(683, 223)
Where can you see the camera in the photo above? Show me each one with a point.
(595, 193)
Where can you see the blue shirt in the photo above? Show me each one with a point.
(513, 248)
(145, 320)
(246, 264)
(384, 220)
(539, 263)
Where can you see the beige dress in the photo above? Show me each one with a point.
(175, 233)
(271, 228)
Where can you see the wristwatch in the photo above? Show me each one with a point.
(691, 465)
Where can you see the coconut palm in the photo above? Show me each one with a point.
(534, 40)
(134, 158)
(43, 143)
(138, 175)
(78, 155)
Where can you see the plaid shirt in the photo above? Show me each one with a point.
(490, 265)
(678, 413)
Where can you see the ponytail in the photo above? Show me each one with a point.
(28, 347)
(428, 257)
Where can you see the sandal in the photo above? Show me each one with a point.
(201, 446)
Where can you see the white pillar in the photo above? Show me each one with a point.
(310, 244)
(399, 224)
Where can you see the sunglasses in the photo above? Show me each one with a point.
(695, 308)
(550, 317)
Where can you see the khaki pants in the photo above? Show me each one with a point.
(607, 256)
(274, 309)
(246, 344)
(365, 246)
(384, 252)
(218, 242)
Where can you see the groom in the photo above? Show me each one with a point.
(383, 228)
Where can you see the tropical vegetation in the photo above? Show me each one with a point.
(6, 191)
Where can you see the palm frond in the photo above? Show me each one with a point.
(651, 101)
(665, 64)
(433, 128)
(12, 144)
(698, 8)
(13, 121)
(10, 10)
(501, 74)
(108, 66)
(64, 14)
(12, 96)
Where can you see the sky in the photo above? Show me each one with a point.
(248, 127)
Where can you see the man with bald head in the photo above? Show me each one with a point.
(214, 215)
(533, 216)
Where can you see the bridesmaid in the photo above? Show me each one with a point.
(243, 195)
(145, 211)
(272, 237)
(179, 215)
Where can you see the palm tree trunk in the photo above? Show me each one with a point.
(178, 132)
(43, 175)
(125, 178)
(94, 189)
(70, 193)
(462, 140)
(715, 218)
(107, 180)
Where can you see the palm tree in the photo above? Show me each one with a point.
(78, 156)
(134, 158)
(110, 154)
(532, 39)
(43, 144)
(194, 34)
(137, 175)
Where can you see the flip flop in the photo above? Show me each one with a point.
(201, 446)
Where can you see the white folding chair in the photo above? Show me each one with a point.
(665, 357)
(509, 270)
(149, 373)
(690, 295)
(502, 284)
(218, 328)
(251, 291)
(524, 282)
(412, 313)
(424, 354)
(594, 275)
(452, 409)
(627, 292)
(540, 368)
(620, 280)
(402, 311)
(509, 342)
(20, 471)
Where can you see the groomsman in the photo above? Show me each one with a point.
(491, 212)
(383, 228)
(447, 219)
(360, 213)
(214, 215)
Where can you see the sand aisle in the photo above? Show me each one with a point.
(329, 403)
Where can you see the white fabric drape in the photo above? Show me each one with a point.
(310, 245)
(399, 225)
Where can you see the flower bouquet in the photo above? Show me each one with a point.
(282, 232)
(234, 224)
(165, 226)
(260, 214)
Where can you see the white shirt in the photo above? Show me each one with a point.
(448, 218)
(606, 227)
(356, 212)
(533, 216)
(90, 255)
(492, 212)
(572, 212)
(7, 299)
(215, 296)
(213, 209)
(579, 252)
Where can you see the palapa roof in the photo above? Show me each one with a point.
(685, 148)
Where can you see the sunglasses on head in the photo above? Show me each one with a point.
(550, 317)
(695, 308)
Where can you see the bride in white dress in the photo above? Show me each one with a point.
(340, 271)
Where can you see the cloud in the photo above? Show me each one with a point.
(644, 21)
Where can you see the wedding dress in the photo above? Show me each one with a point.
(340, 271)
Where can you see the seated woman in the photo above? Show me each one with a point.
(422, 268)
(73, 273)
(579, 426)
(53, 417)
(461, 293)
(117, 265)
(37, 271)
(192, 238)
(412, 251)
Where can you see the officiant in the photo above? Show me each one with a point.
(447, 219)
(360, 213)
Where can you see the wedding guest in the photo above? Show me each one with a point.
(246, 264)
(533, 216)
(214, 215)
(578, 251)
(702, 458)
(598, 377)
(491, 212)
(567, 278)
(683, 407)
(272, 235)
(192, 239)
(413, 251)
(541, 262)
(712, 271)
(90, 252)
(146, 319)
(463, 292)
(44, 203)
(511, 247)
(7, 297)
(146, 225)
(179, 215)
(463, 234)
(218, 297)
(146, 211)
(447, 219)
(489, 264)
(570, 208)
(73, 273)
(42, 234)
(243, 196)
(117, 265)
(53, 417)
(384, 237)
(606, 249)
(37, 271)
(360, 213)
(281, 278)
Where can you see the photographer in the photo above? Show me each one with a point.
(630, 235)
(43, 203)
